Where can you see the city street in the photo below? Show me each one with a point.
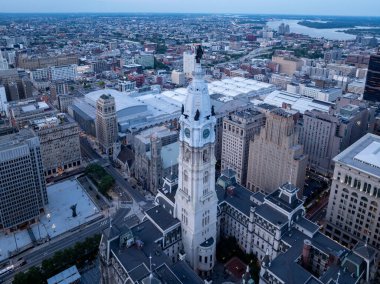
(35, 256)
(120, 181)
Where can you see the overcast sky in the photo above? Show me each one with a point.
(306, 7)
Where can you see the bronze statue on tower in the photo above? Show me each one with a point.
(199, 54)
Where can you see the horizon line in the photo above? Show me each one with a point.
(193, 13)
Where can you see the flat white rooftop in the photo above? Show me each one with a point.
(363, 155)
(370, 155)
(58, 218)
(297, 102)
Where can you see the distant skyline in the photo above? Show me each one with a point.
(291, 7)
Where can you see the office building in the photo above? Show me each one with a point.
(35, 62)
(58, 88)
(275, 155)
(3, 99)
(3, 63)
(332, 55)
(372, 85)
(324, 95)
(239, 129)
(353, 210)
(106, 123)
(22, 180)
(146, 60)
(283, 29)
(13, 91)
(59, 140)
(11, 80)
(67, 72)
(188, 63)
(178, 78)
(127, 86)
(288, 64)
(28, 88)
(65, 101)
(324, 135)
(22, 112)
(280, 80)
(41, 74)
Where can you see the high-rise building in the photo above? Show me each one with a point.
(288, 64)
(275, 155)
(239, 129)
(178, 78)
(372, 85)
(353, 211)
(283, 29)
(28, 88)
(3, 99)
(3, 64)
(59, 139)
(58, 88)
(146, 60)
(188, 63)
(11, 79)
(196, 199)
(324, 135)
(106, 124)
(13, 91)
(22, 181)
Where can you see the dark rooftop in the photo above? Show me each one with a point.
(271, 215)
(161, 217)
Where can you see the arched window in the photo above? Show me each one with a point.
(365, 199)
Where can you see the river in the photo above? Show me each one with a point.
(330, 34)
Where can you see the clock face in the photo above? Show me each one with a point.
(206, 133)
(187, 132)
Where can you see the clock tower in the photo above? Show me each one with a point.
(196, 200)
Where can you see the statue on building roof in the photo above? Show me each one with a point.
(199, 54)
